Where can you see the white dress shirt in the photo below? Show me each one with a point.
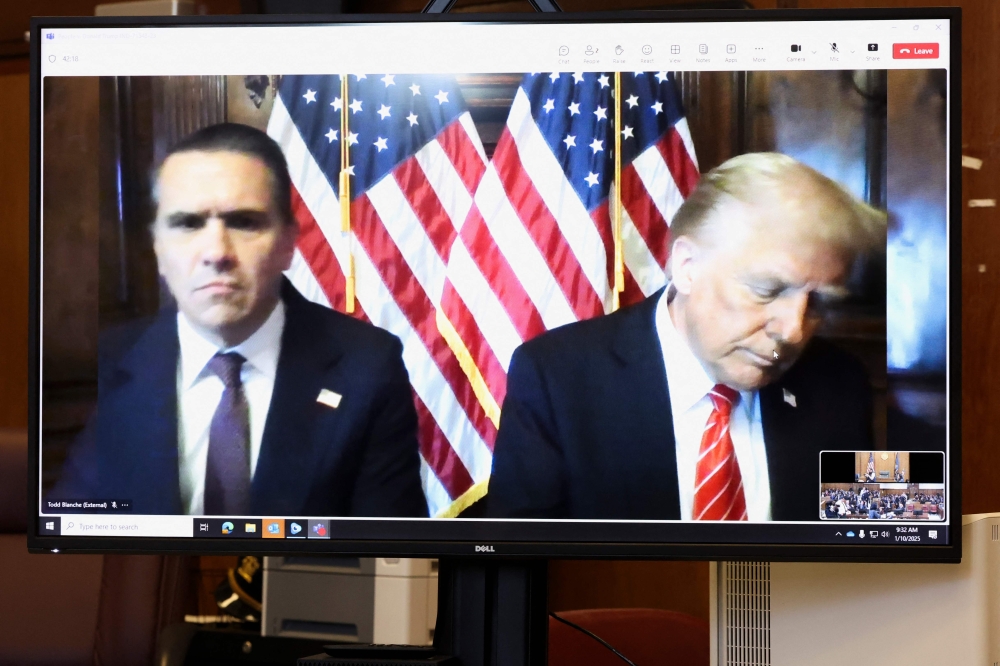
(689, 384)
(199, 391)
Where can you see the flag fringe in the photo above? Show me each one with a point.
(469, 367)
(465, 500)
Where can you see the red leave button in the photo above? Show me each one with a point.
(926, 50)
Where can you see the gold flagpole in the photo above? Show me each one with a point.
(616, 219)
(345, 195)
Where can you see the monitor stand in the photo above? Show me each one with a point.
(493, 612)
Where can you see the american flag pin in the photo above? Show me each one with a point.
(789, 397)
(329, 398)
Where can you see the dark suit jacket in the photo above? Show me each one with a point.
(586, 429)
(360, 459)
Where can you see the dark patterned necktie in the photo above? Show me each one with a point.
(227, 476)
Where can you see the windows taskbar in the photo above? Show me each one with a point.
(841, 532)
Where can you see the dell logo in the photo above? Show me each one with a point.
(485, 549)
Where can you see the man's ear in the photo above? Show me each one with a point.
(290, 237)
(155, 240)
(683, 263)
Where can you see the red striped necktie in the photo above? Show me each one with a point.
(718, 489)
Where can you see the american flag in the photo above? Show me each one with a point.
(464, 259)
(896, 472)
(537, 248)
(870, 472)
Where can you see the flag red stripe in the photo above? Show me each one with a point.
(318, 254)
(645, 215)
(457, 145)
(440, 457)
(602, 220)
(426, 206)
(416, 307)
(544, 230)
(482, 354)
(500, 276)
(632, 294)
(675, 154)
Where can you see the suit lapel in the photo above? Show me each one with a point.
(792, 468)
(646, 418)
(287, 455)
(140, 421)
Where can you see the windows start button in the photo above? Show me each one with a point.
(925, 50)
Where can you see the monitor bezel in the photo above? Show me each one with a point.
(520, 549)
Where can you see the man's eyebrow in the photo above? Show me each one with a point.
(242, 212)
(834, 292)
(183, 216)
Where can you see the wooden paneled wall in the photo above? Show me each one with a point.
(14, 251)
(887, 466)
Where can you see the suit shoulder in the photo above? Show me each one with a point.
(116, 341)
(362, 335)
(828, 360)
(581, 336)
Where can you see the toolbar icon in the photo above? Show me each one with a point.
(730, 48)
(703, 48)
(796, 48)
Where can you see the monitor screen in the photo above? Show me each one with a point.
(647, 285)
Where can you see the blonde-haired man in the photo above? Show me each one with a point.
(711, 399)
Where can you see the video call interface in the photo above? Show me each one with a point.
(690, 287)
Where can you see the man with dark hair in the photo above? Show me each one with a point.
(246, 399)
(710, 400)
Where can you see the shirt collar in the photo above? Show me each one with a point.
(260, 350)
(687, 380)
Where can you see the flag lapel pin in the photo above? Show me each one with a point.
(329, 398)
(789, 397)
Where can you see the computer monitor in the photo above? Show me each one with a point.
(643, 284)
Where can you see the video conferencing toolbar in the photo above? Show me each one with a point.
(496, 48)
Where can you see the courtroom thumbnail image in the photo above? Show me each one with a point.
(882, 501)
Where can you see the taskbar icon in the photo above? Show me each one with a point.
(261, 528)
(228, 528)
